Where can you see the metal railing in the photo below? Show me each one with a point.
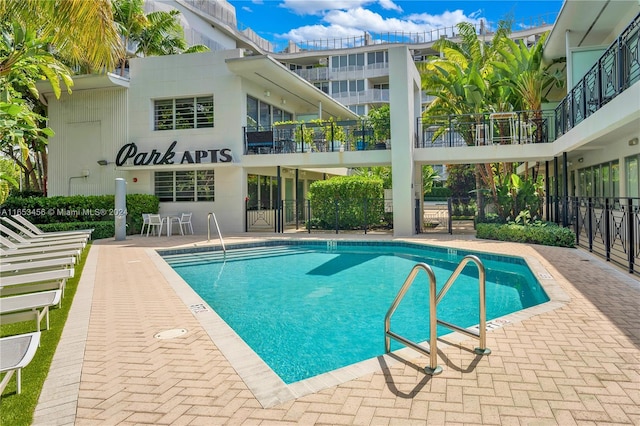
(432, 351)
(606, 226)
(504, 128)
(615, 71)
(215, 221)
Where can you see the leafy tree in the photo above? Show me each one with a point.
(24, 59)
(82, 33)
(461, 179)
(429, 176)
(155, 34)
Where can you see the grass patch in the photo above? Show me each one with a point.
(17, 410)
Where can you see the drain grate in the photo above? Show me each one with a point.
(170, 334)
(200, 307)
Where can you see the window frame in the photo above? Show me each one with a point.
(184, 113)
(184, 185)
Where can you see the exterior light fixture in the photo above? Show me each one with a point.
(633, 142)
(103, 162)
(580, 160)
(267, 93)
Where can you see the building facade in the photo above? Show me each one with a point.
(180, 126)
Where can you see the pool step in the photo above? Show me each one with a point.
(192, 259)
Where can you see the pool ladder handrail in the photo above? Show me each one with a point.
(215, 221)
(432, 351)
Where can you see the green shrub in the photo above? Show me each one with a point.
(104, 229)
(80, 208)
(349, 201)
(438, 194)
(548, 234)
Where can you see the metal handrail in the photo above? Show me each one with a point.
(209, 216)
(432, 351)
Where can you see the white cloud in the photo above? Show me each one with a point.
(247, 9)
(390, 5)
(356, 21)
(318, 7)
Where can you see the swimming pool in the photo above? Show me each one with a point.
(308, 307)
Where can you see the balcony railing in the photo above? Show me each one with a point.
(317, 136)
(503, 128)
(616, 70)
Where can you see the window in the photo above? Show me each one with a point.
(377, 57)
(261, 115)
(183, 113)
(185, 185)
(345, 86)
(322, 85)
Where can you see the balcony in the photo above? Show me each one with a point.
(500, 128)
(317, 136)
(614, 72)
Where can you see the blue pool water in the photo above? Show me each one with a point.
(306, 309)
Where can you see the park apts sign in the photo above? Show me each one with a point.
(130, 153)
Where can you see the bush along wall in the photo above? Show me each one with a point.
(348, 202)
(548, 234)
(81, 212)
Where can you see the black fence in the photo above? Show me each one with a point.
(606, 226)
(361, 215)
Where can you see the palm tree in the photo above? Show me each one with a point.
(83, 33)
(155, 34)
(461, 81)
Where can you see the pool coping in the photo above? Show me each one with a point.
(267, 387)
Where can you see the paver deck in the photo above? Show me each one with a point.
(574, 361)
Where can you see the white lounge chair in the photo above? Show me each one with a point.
(18, 256)
(25, 307)
(9, 266)
(16, 352)
(36, 230)
(35, 281)
(39, 248)
(44, 237)
(39, 241)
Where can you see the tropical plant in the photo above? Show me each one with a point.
(24, 59)
(380, 120)
(429, 176)
(82, 33)
(155, 34)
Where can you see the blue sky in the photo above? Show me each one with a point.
(304, 20)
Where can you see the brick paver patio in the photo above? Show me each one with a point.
(575, 361)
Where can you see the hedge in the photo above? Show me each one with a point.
(104, 229)
(80, 209)
(548, 234)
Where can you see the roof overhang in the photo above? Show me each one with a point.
(85, 82)
(590, 23)
(278, 80)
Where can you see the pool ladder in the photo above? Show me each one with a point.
(215, 221)
(434, 299)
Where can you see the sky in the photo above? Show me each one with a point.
(304, 20)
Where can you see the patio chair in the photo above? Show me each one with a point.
(28, 234)
(29, 306)
(10, 247)
(18, 256)
(16, 352)
(54, 279)
(37, 246)
(155, 221)
(9, 266)
(38, 231)
(185, 220)
(41, 241)
(145, 222)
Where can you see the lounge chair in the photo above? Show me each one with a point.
(10, 246)
(44, 237)
(40, 241)
(18, 256)
(37, 230)
(16, 352)
(35, 281)
(25, 307)
(10, 266)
